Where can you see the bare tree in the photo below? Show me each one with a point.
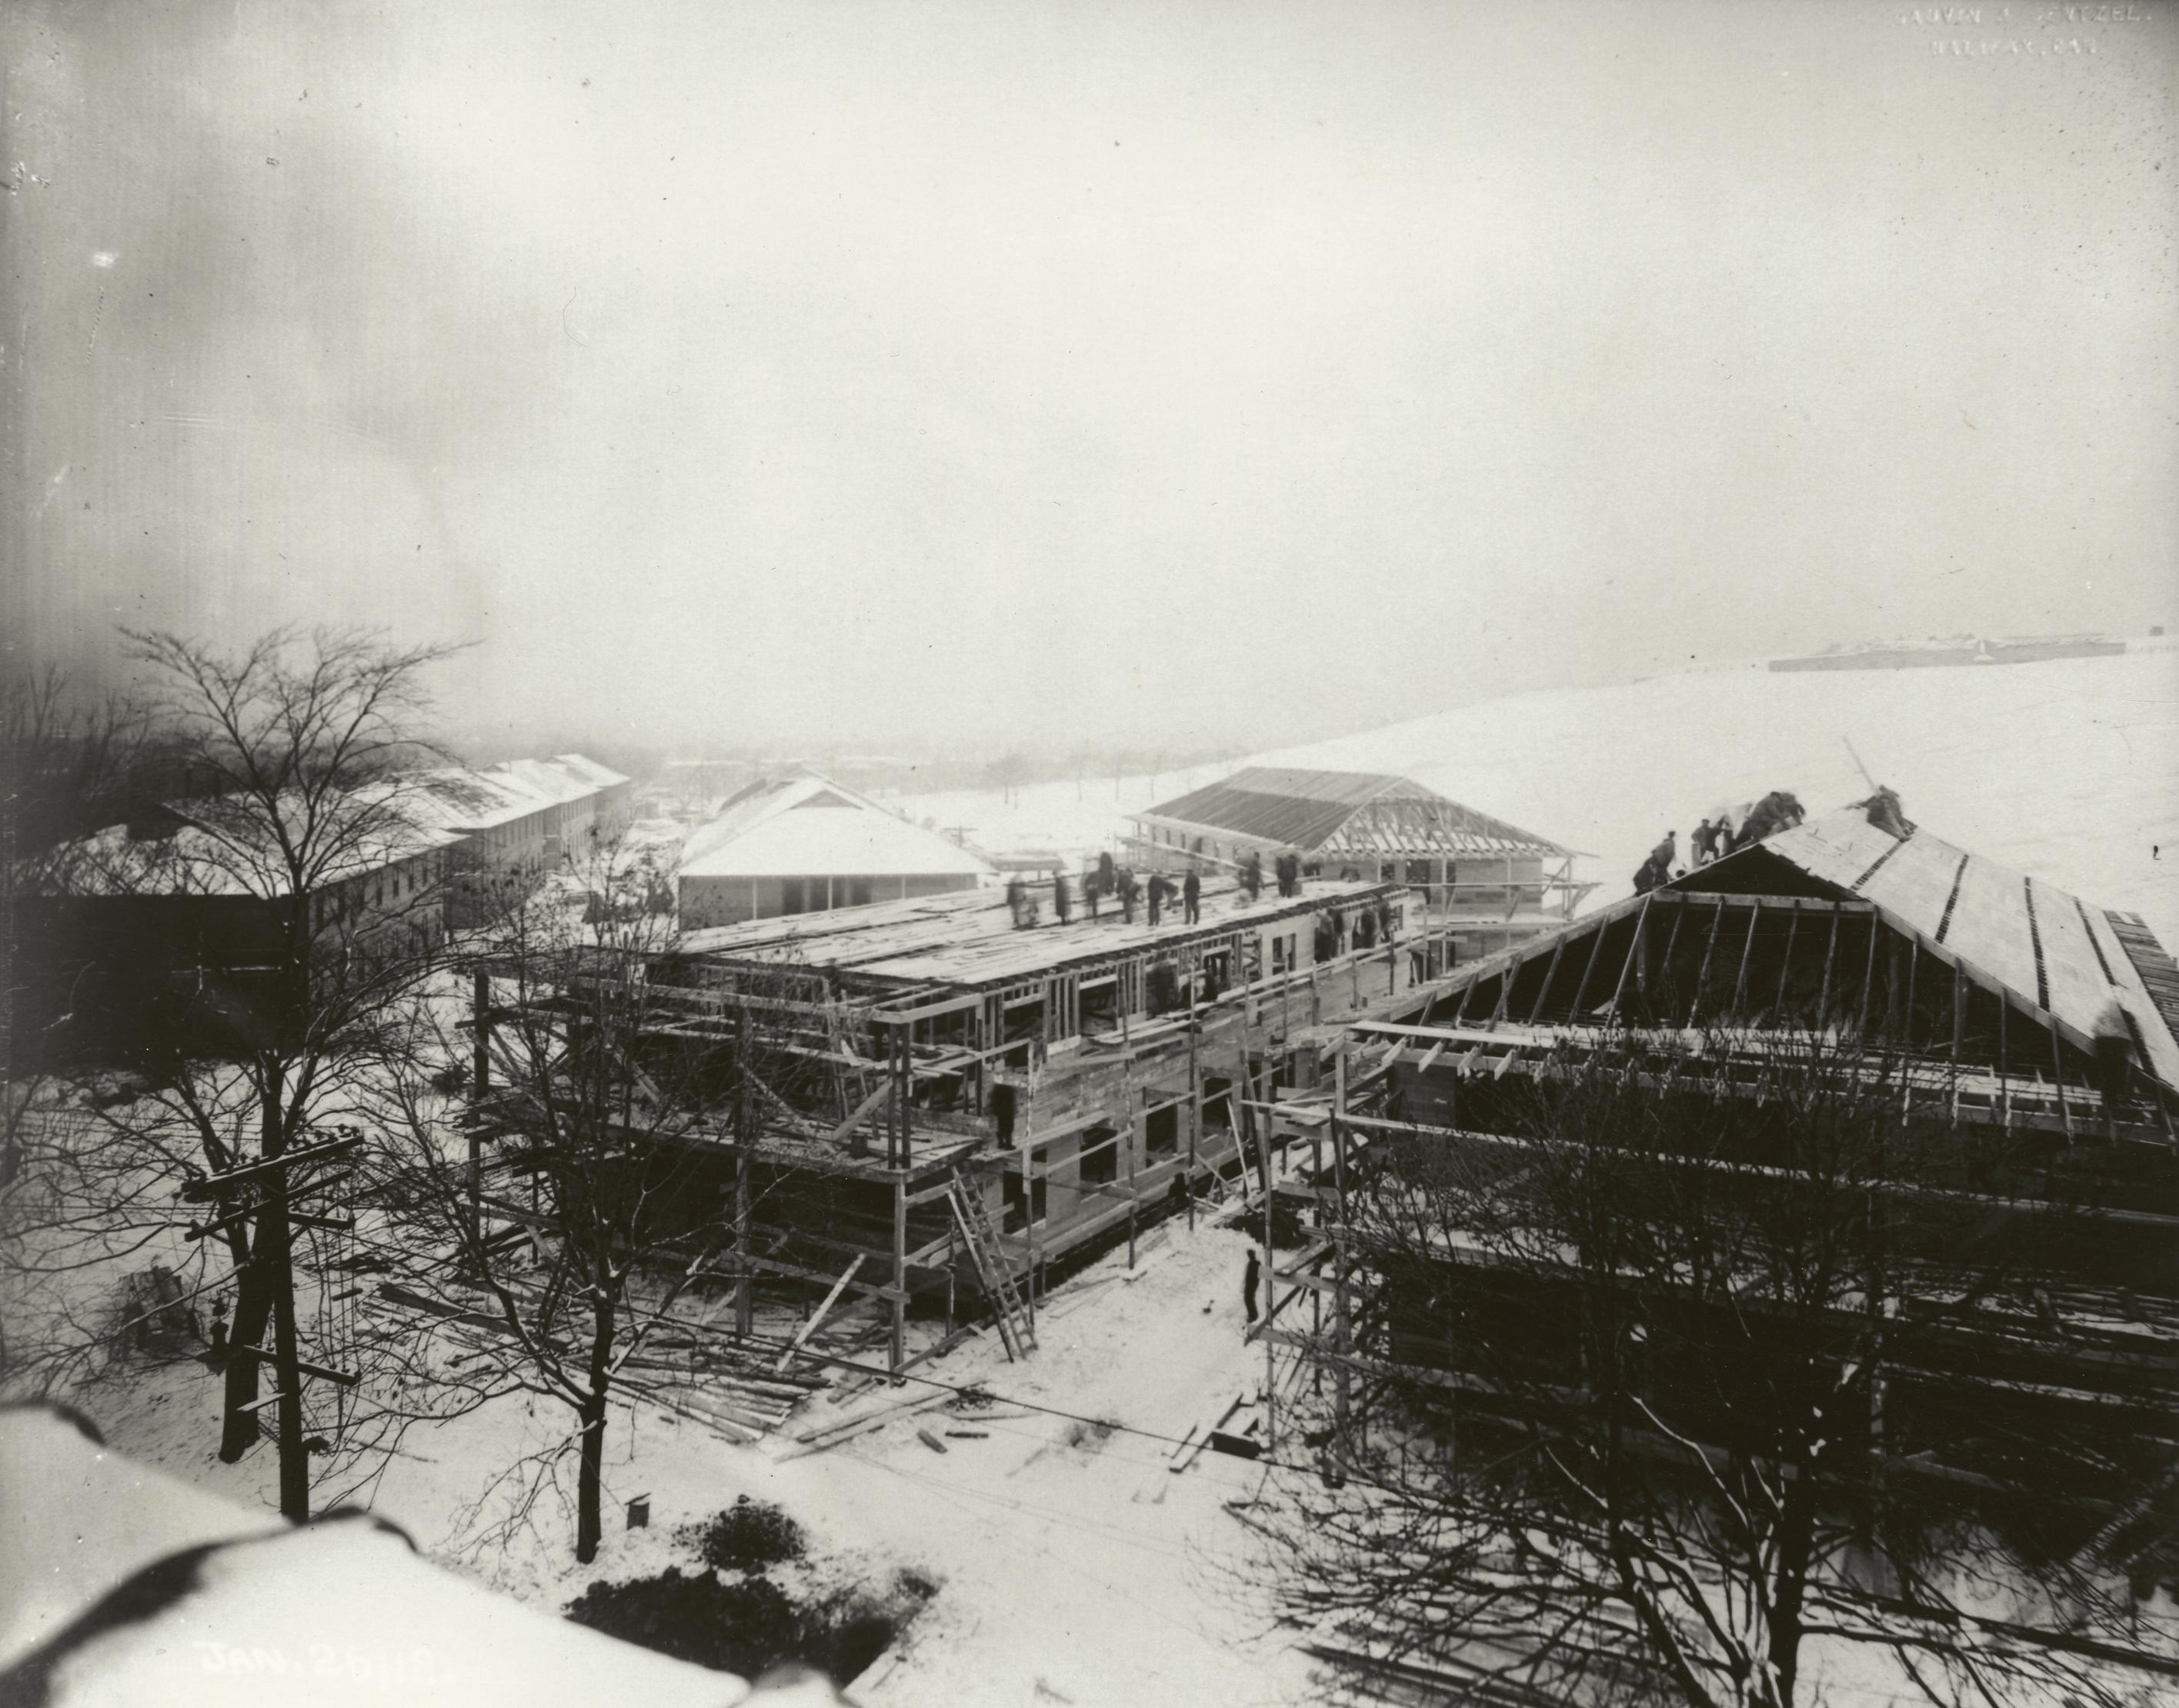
(1009, 771)
(1622, 1429)
(575, 1190)
(294, 891)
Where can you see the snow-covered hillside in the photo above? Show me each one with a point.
(2067, 770)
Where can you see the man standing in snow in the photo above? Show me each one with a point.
(1252, 874)
(1249, 1281)
(1191, 896)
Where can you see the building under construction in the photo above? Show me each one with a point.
(2032, 1289)
(1494, 883)
(974, 1100)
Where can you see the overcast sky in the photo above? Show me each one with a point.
(1178, 372)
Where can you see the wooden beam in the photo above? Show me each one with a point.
(1549, 973)
(1747, 952)
(832, 1299)
(1709, 948)
(1633, 953)
(862, 1110)
(1823, 992)
(1785, 962)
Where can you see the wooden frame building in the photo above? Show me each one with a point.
(992, 1099)
(2035, 1029)
(1495, 882)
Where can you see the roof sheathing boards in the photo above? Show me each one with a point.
(1990, 929)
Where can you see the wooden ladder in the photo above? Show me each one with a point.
(982, 1239)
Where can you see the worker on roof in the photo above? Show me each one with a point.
(1252, 874)
(1107, 878)
(1702, 843)
(1886, 813)
(1061, 900)
(1128, 890)
(1160, 889)
(1191, 896)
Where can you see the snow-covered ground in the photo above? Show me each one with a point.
(1071, 1564)
(2068, 769)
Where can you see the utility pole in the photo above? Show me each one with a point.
(274, 1248)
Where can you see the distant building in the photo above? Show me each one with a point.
(180, 927)
(1495, 883)
(514, 821)
(804, 845)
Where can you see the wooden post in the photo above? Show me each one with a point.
(899, 1270)
(481, 1015)
(1270, 1295)
(1196, 1109)
(1831, 954)
(1340, 1379)
(1029, 1228)
(745, 1107)
(1134, 1130)
(1959, 1037)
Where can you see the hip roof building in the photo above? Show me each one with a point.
(806, 844)
(1475, 870)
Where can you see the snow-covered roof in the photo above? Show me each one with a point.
(589, 770)
(811, 826)
(474, 800)
(231, 853)
(345, 1611)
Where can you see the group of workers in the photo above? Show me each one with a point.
(1110, 881)
(1714, 838)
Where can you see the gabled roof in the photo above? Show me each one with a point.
(811, 826)
(2065, 964)
(1335, 812)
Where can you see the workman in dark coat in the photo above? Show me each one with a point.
(1093, 890)
(1061, 902)
(1159, 887)
(1108, 878)
(1702, 843)
(1251, 1279)
(1191, 896)
(1128, 890)
(1252, 875)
